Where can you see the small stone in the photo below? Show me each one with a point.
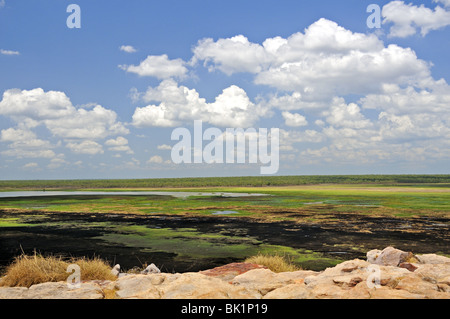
(152, 269)
(116, 270)
(408, 266)
(373, 255)
(347, 281)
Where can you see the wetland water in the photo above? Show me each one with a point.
(123, 193)
(191, 243)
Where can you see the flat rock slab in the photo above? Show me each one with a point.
(228, 272)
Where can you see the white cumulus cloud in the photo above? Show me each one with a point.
(155, 160)
(127, 49)
(231, 55)
(9, 52)
(54, 110)
(179, 104)
(86, 147)
(23, 143)
(158, 66)
(294, 119)
(120, 144)
(342, 114)
(407, 19)
(444, 2)
(31, 165)
(318, 64)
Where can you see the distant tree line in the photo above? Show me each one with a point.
(248, 181)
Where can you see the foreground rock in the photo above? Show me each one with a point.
(228, 272)
(54, 290)
(386, 274)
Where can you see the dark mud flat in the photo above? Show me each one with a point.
(181, 244)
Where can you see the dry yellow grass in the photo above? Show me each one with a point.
(94, 269)
(26, 271)
(273, 262)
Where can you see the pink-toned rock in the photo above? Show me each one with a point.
(391, 256)
(408, 266)
(228, 272)
(347, 281)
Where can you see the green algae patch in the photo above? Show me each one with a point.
(12, 222)
(184, 242)
(189, 244)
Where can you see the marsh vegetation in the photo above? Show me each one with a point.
(313, 226)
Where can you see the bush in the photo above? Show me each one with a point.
(275, 263)
(26, 271)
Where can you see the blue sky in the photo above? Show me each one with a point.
(102, 101)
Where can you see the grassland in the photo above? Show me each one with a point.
(372, 200)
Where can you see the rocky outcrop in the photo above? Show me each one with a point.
(54, 290)
(386, 274)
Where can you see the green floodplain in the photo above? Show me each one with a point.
(315, 221)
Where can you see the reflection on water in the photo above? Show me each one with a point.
(143, 193)
(225, 212)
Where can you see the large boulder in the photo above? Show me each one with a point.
(390, 256)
